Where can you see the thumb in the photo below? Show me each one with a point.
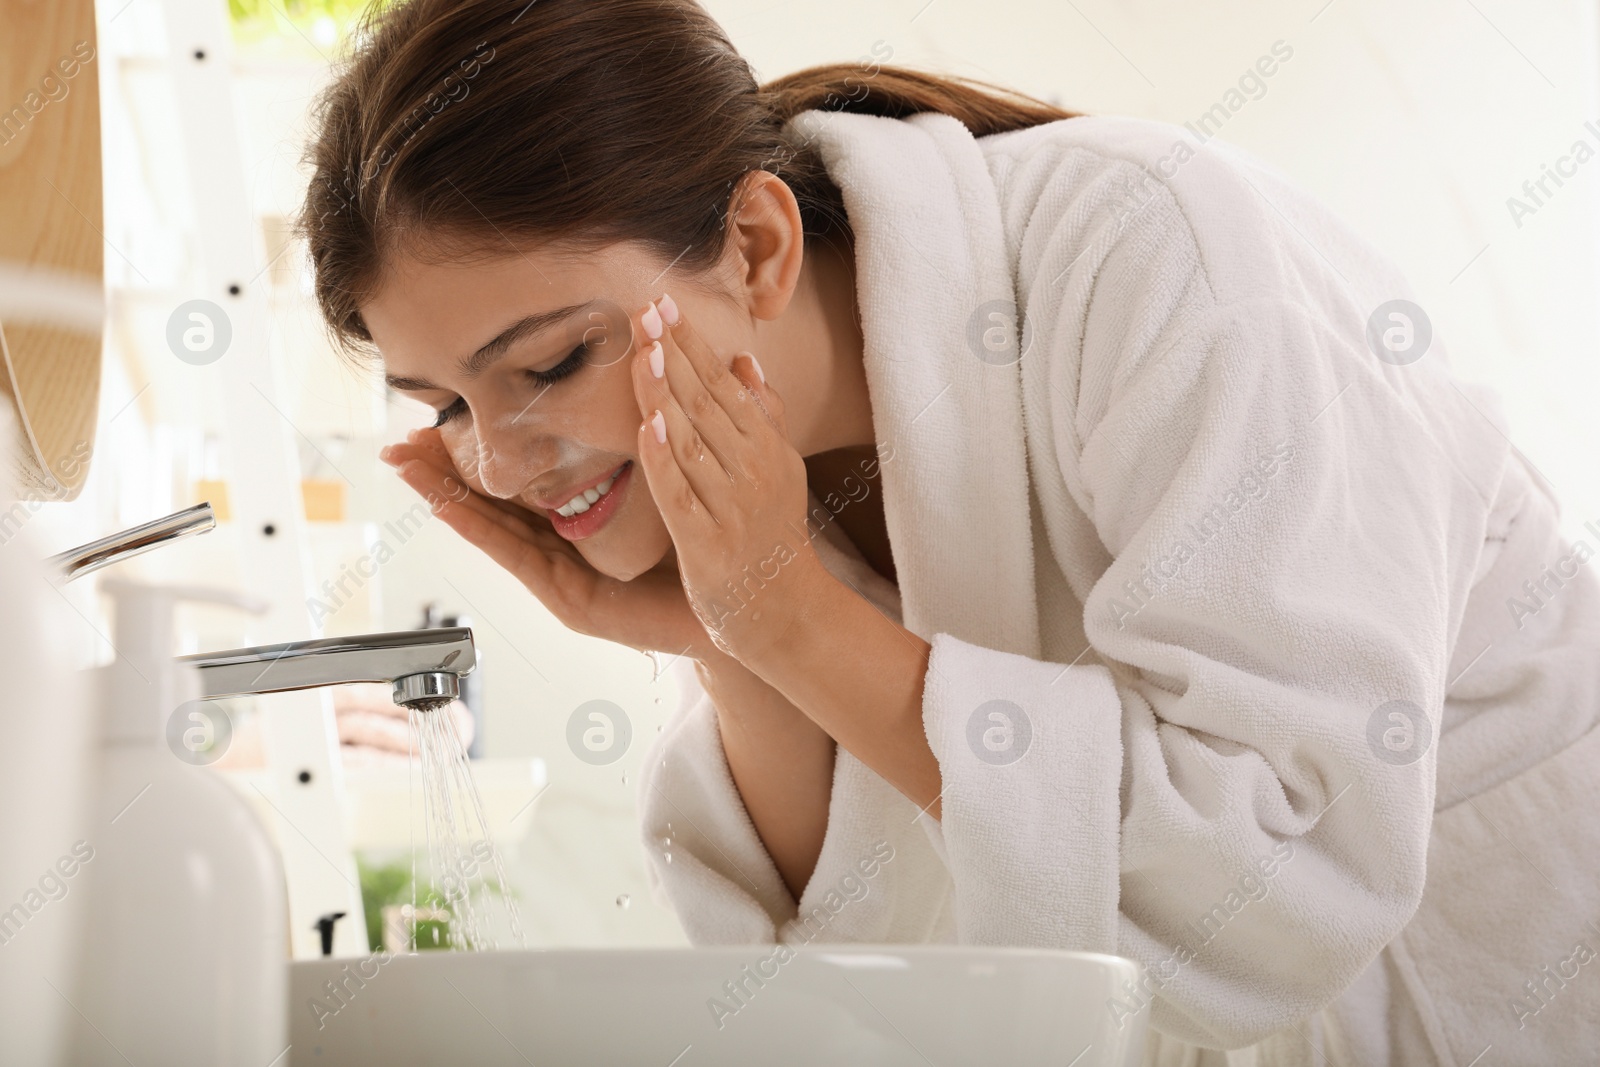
(749, 373)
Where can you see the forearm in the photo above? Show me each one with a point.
(858, 675)
(781, 762)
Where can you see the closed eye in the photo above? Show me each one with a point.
(545, 378)
(567, 366)
(457, 407)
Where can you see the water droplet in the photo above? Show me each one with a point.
(667, 856)
(666, 842)
(624, 779)
(658, 728)
(623, 901)
(658, 700)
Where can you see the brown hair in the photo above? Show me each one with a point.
(476, 122)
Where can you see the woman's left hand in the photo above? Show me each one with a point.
(730, 487)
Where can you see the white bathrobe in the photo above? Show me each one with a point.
(1294, 733)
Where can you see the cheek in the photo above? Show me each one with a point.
(611, 407)
(635, 542)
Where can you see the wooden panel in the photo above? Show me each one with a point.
(51, 217)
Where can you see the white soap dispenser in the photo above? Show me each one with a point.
(186, 954)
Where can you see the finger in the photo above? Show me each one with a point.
(711, 372)
(709, 469)
(431, 440)
(665, 379)
(520, 548)
(445, 489)
(426, 444)
(533, 518)
(663, 373)
(714, 477)
(404, 451)
(436, 478)
(520, 540)
(699, 381)
(427, 450)
(686, 380)
(747, 369)
(681, 508)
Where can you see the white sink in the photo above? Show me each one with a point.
(886, 1005)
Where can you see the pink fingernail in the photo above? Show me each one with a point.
(669, 309)
(658, 361)
(651, 321)
(756, 363)
(659, 424)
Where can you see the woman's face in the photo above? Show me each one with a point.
(526, 361)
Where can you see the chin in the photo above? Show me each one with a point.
(626, 558)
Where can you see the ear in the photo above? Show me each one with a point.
(767, 242)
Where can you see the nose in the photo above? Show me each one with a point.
(492, 469)
(505, 459)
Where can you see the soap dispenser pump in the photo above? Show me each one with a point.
(186, 955)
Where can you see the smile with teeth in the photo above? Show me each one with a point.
(589, 497)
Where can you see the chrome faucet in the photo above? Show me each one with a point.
(425, 666)
(86, 559)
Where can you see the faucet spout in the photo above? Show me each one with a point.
(424, 666)
(86, 559)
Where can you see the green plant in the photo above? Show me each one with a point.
(383, 884)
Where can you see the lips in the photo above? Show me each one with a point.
(581, 502)
(576, 493)
(585, 523)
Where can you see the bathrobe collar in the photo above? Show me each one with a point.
(934, 284)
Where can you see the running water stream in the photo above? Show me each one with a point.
(461, 853)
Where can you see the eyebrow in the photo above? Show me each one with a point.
(484, 357)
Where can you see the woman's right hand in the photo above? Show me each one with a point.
(782, 763)
(649, 613)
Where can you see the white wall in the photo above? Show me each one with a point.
(1415, 120)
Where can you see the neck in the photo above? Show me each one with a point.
(816, 361)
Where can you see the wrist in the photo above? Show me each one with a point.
(716, 666)
(783, 613)
(745, 703)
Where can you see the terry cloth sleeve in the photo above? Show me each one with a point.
(877, 878)
(1292, 526)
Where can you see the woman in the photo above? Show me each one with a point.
(1092, 551)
